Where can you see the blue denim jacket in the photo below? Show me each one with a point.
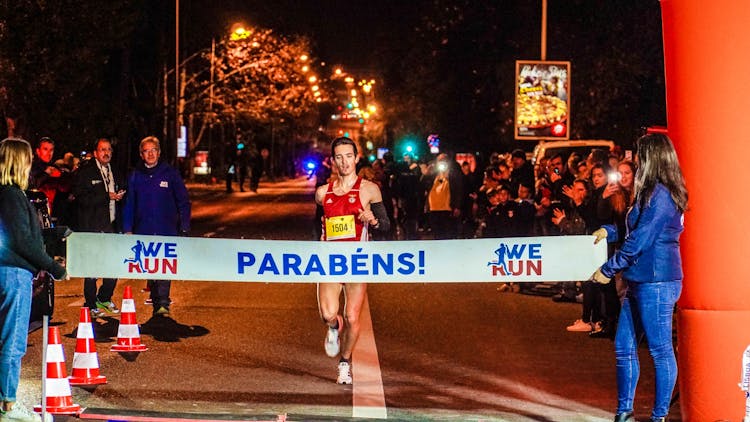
(651, 251)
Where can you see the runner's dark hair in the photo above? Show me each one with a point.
(343, 141)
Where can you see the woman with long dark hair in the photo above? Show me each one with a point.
(652, 268)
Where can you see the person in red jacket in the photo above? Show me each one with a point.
(351, 205)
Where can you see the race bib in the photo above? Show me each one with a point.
(341, 227)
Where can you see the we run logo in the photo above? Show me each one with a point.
(153, 258)
(518, 259)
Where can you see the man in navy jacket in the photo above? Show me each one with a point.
(157, 203)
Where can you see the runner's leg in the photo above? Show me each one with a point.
(328, 302)
(355, 294)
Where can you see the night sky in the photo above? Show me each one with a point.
(343, 31)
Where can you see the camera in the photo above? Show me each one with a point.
(614, 177)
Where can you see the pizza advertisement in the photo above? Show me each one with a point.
(542, 100)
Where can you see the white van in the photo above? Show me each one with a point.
(580, 146)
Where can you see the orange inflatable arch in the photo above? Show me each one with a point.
(707, 66)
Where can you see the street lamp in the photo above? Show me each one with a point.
(238, 31)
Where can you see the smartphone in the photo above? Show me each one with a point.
(614, 177)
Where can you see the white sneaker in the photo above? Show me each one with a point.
(579, 326)
(20, 413)
(332, 341)
(345, 373)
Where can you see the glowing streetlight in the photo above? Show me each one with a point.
(239, 32)
(315, 87)
(338, 71)
(305, 68)
(303, 58)
(312, 79)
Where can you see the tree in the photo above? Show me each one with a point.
(257, 79)
(64, 67)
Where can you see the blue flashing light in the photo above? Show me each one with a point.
(350, 106)
(361, 120)
(409, 148)
(310, 165)
(346, 134)
(240, 146)
(372, 157)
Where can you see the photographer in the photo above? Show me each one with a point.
(50, 179)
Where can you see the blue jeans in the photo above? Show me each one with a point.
(647, 310)
(15, 308)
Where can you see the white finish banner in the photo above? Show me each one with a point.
(520, 259)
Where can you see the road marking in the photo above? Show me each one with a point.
(368, 397)
(76, 304)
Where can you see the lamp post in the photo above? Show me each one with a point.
(177, 95)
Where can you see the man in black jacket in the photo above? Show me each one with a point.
(98, 189)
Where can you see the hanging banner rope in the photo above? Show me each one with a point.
(520, 259)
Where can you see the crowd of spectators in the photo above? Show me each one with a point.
(511, 197)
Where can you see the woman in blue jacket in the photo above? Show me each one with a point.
(650, 263)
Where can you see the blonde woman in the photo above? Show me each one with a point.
(22, 255)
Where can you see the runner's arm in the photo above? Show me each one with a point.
(383, 223)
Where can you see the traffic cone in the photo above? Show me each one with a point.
(59, 399)
(128, 335)
(85, 360)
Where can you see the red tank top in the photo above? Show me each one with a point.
(347, 204)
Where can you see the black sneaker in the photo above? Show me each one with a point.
(604, 332)
(562, 298)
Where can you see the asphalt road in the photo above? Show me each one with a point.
(253, 351)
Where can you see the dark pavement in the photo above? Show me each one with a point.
(253, 351)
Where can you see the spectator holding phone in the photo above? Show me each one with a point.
(98, 189)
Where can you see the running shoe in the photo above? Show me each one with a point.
(108, 307)
(332, 342)
(580, 326)
(20, 413)
(162, 311)
(345, 373)
(96, 313)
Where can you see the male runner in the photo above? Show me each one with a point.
(350, 205)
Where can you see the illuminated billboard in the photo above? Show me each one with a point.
(542, 100)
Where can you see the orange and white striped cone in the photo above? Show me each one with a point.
(59, 399)
(85, 359)
(128, 334)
